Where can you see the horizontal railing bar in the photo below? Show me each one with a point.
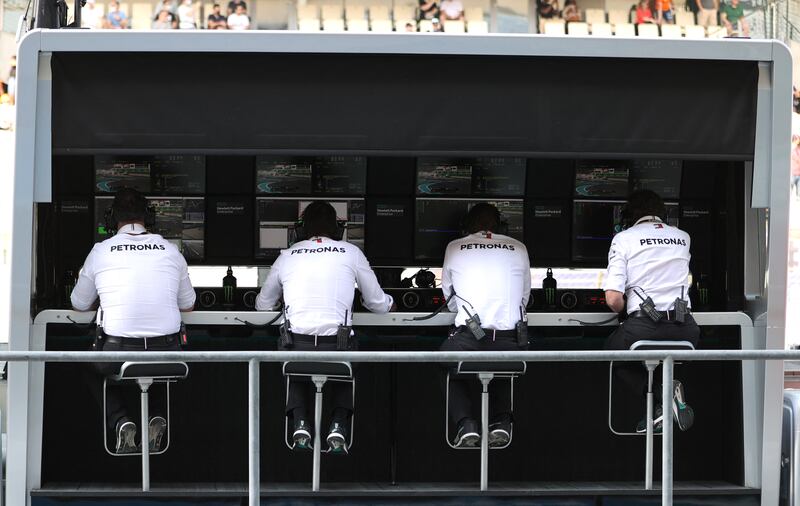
(396, 356)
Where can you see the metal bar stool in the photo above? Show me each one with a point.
(651, 366)
(485, 372)
(145, 374)
(320, 373)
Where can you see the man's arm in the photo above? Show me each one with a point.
(526, 278)
(447, 283)
(372, 295)
(186, 295)
(84, 295)
(615, 300)
(271, 292)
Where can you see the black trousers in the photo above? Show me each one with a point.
(302, 391)
(124, 401)
(633, 374)
(463, 388)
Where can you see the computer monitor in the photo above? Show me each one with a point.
(276, 219)
(305, 175)
(477, 177)
(602, 179)
(114, 172)
(160, 174)
(439, 221)
(660, 176)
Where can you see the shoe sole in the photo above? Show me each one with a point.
(658, 426)
(302, 439)
(336, 443)
(468, 440)
(126, 438)
(499, 437)
(156, 434)
(683, 413)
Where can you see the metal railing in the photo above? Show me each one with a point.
(254, 358)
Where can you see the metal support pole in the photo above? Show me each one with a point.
(253, 426)
(648, 464)
(319, 381)
(666, 436)
(144, 384)
(485, 379)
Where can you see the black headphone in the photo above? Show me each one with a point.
(300, 233)
(502, 224)
(112, 216)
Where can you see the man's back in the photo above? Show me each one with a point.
(141, 280)
(491, 273)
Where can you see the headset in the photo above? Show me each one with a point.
(301, 234)
(502, 224)
(112, 216)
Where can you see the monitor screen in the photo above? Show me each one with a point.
(276, 219)
(161, 174)
(479, 177)
(179, 220)
(601, 179)
(439, 221)
(660, 176)
(305, 175)
(113, 172)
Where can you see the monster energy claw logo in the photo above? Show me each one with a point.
(703, 293)
(228, 294)
(550, 296)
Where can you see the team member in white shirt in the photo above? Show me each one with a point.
(317, 277)
(650, 260)
(143, 285)
(487, 274)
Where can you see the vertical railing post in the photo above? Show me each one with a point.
(253, 401)
(666, 437)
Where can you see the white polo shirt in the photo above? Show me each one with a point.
(490, 274)
(142, 281)
(654, 258)
(317, 278)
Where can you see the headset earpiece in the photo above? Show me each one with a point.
(300, 233)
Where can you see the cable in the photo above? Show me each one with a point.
(602, 322)
(435, 312)
(259, 326)
(83, 325)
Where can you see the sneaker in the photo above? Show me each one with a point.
(468, 434)
(499, 434)
(683, 413)
(157, 430)
(126, 436)
(337, 438)
(658, 422)
(302, 435)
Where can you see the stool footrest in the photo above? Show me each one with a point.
(155, 370)
(499, 368)
(331, 369)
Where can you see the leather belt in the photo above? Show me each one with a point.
(665, 315)
(492, 332)
(311, 338)
(144, 342)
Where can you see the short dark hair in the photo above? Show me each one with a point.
(215, 5)
(482, 216)
(644, 203)
(129, 205)
(319, 219)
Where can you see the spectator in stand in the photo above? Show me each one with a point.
(11, 82)
(216, 20)
(796, 165)
(411, 28)
(116, 19)
(169, 6)
(437, 26)
(91, 17)
(186, 16)
(707, 12)
(795, 100)
(428, 9)
(548, 9)
(163, 21)
(643, 13)
(235, 3)
(571, 11)
(451, 10)
(732, 16)
(239, 20)
(665, 13)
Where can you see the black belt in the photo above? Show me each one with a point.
(311, 338)
(144, 342)
(665, 315)
(492, 332)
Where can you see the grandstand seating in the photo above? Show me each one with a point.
(141, 16)
(381, 25)
(473, 14)
(403, 12)
(647, 30)
(379, 13)
(616, 17)
(333, 25)
(454, 26)
(578, 29)
(477, 26)
(695, 32)
(555, 27)
(684, 18)
(671, 32)
(716, 32)
(308, 25)
(602, 29)
(425, 25)
(625, 30)
(594, 16)
(357, 25)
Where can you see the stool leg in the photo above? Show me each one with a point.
(318, 383)
(144, 384)
(648, 465)
(485, 380)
